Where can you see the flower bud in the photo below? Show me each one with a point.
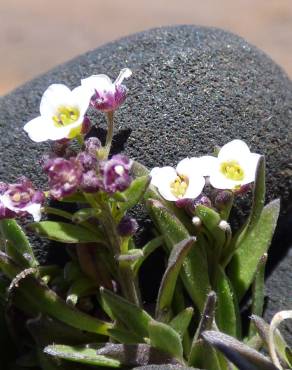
(92, 145)
(90, 183)
(127, 226)
(201, 200)
(87, 161)
(223, 199)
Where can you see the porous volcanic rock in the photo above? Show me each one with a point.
(192, 88)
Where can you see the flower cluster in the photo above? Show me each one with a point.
(86, 173)
(234, 168)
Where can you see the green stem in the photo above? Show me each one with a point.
(110, 133)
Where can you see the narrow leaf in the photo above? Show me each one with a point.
(227, 313)
(136, 354)
(168, 283)
(204, 356)
(20, 248)
(134, 193)
(66, 233)
(165, 338)
(244, 263)
(258, 293)
(48, 302)
(194, 272)
(133, 317)
(85, 214)
(181, 322)
(80, 354)
(244, 357)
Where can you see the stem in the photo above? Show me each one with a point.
(110, 133)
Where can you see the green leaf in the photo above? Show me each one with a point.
(244, 357)
(148, 248)
(66, 233)
(134, 193)
(48, 302)
(244, 263)
(165, 338)
(227, 313)
(20, 249)
(80, 288)
(181, 322)
(211, 220)
(85, 214)
(204, 356)
(74, 198)
(133, 317)
(168, 283)
(195, 268)
(136, 354)
(123, 336)
(258, 293)
(81, 354)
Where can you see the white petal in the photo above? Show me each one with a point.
(196, 186)
(37, 129)
(219, 181)
(162, 174)
(53, 97)
(35, 210)
(234, 150)
(162, 177)
(204, 165)
(100, 83)
(81, 98)
(125, 73)
(250, 167)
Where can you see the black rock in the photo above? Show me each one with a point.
(193, 88)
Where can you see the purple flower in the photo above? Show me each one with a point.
(64, 176)
(107, 96)
(20, 199)
(116, 173)
(127, 226)
(90, 183)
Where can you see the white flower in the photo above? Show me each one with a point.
(62, 114)
(107, 96)
(235, 166)
(184, 182)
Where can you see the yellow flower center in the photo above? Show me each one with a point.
(179, 186)
(232, 170)
(66, 115)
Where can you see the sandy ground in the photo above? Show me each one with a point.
(36, 35)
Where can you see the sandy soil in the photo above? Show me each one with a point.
(36, 35)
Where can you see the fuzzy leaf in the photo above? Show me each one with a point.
(210, 220)
(65, 233)
(181, 321)
(48, 302)
(194, 271)
(20, 249)
(136, 354)
(203, 355)
(134, 193)
(244, 357)
(227, 313)
(80, 354)
(166, 339)
(258, 292)
(168, 283)
(244, 263)
(133, 317)
(85, 214)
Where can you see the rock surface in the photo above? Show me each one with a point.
(192, 88)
